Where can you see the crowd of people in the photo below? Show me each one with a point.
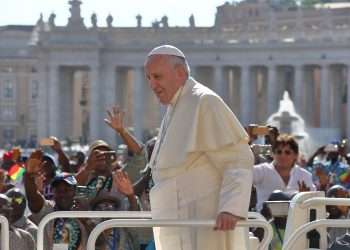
(281, 171)
(101, 181)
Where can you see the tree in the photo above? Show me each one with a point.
(310, 3)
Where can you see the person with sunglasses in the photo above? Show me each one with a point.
(19, 239)
(18, 217)
(282, 173)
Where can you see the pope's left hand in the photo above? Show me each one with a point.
(226, 221)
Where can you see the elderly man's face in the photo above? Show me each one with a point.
(164, 78)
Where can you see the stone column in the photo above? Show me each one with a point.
(43, 103)
(246, 107)
(110, 91)
(220, 87)
(138, 101)
(324, 97)
(53, 100)
(337, 79)
(348, 104)
(272, 90)
(299, 89)
(94, 118)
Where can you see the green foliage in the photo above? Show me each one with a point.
(310, 3)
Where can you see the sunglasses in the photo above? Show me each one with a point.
(286, 152)
(17, 200)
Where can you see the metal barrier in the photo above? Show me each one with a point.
(5, 233)
(268, 232)
(325, 201)
(99, 214)
(313, 225)
(255, 215)
(84, 214)
(302, 205)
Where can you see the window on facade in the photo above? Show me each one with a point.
(8, 134)
(33, 113)
(35, 89)
(6, 69)
(8, 113)
(8, 89)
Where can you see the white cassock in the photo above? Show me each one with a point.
(202, 167)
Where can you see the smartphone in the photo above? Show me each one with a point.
(260, 130)
(262, 149)
(47, 142)
(111, 156)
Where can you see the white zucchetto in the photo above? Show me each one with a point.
(166, 50)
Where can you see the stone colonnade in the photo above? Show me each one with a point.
(319, 92)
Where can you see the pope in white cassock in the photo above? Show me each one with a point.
(201, 163)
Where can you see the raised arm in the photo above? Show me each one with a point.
(33, 166)
(123, 184)
(62, 157)
(116, 121)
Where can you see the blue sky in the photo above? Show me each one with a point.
(124, 11)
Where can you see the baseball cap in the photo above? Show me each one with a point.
(105, 196)
(331, 148)
(65, 177)
(97, 144)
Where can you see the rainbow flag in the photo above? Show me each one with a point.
(16, 172)
(345, 177)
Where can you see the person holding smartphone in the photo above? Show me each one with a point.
(101, 174)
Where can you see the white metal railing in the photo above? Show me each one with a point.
(325, 201)
(101, 214)
(5, 233)
(268, 232)
(255, 215)
(304, 204)
(84, 214)
(313, 225)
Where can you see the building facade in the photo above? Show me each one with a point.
(59, 80)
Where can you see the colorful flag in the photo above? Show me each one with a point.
(16, 172)
(345, 177)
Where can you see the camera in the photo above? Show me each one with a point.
(111, 156)
(259, 149)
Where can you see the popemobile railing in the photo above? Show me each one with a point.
(85, 214)
(143, 219)
(5, 233)
(268, 232)
(318, 223)
(325, 201)
(313, 225)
